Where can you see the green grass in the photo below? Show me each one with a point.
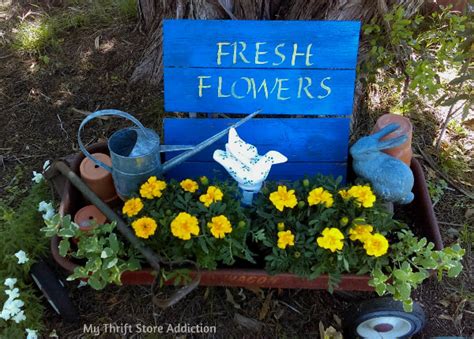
(49, 30)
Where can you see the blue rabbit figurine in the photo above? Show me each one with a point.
(391, 179)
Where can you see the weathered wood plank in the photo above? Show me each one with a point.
(261, 44)
(299, 139)
(274, 91)
(287, 171)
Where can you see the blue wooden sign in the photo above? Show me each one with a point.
(281, 67)
(312, 145)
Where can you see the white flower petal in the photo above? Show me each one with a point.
(37, 177)
(81, 284)
(10, 282)
(22, 257)
(20, 316)
(13, 293)
(31, 334)
(46, 164)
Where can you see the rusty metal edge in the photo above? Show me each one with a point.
(240, 277)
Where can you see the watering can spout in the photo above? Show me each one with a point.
(196, 149)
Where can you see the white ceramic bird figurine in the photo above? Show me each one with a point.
(244, 164)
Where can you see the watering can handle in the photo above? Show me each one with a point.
(98, 114)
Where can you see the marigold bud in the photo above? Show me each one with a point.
(301, 204)
(168, 212)
(305, 182)
(241, 224)
(204, 180)
(344, 221)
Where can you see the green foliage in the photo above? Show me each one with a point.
(207, 250)
(398, 272)
(436, 189)
(415, 52)
(49, 30)
(306, 222)
(20, 230)
(411, 260)
(106, 256)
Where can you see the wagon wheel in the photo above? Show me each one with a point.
(54, 291)
(383, 318)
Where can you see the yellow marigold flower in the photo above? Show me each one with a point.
(344, 194)
(331, 239)
(283, 198)
(219, 226)
(320, 196)
(189, 185)
(152, 188)
(376, 245)
(184, 225)
(281, 226)
(363, 195)
(360, 232)
(212, 195)
(132, 207)
(144, 227)
(285, 238)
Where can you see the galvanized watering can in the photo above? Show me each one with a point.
(135, 152)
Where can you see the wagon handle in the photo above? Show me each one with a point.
(98, 114)
(152, 258)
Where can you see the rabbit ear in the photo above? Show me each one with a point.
(392, 142)
(386, 130)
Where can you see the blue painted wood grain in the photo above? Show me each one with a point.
(241, 91)
(193, 43)
(287, 171)
(299, 139)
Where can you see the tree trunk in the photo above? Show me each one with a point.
(152, 12)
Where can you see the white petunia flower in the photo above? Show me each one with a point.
(10, 282)
(11, 308)
(13, 293)
(37, 177)
(47, 209)
(19, 317)
(22, 257)
(31, 334)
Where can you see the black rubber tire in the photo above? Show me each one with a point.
(382, 307)
(54, 291)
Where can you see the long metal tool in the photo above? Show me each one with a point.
(153, 259)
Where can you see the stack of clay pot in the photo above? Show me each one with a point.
(98, 179)
(101, 183)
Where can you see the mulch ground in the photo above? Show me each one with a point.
(41, 109)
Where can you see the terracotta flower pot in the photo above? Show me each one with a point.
(404, 151)
(98, 179)
(86, 215)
